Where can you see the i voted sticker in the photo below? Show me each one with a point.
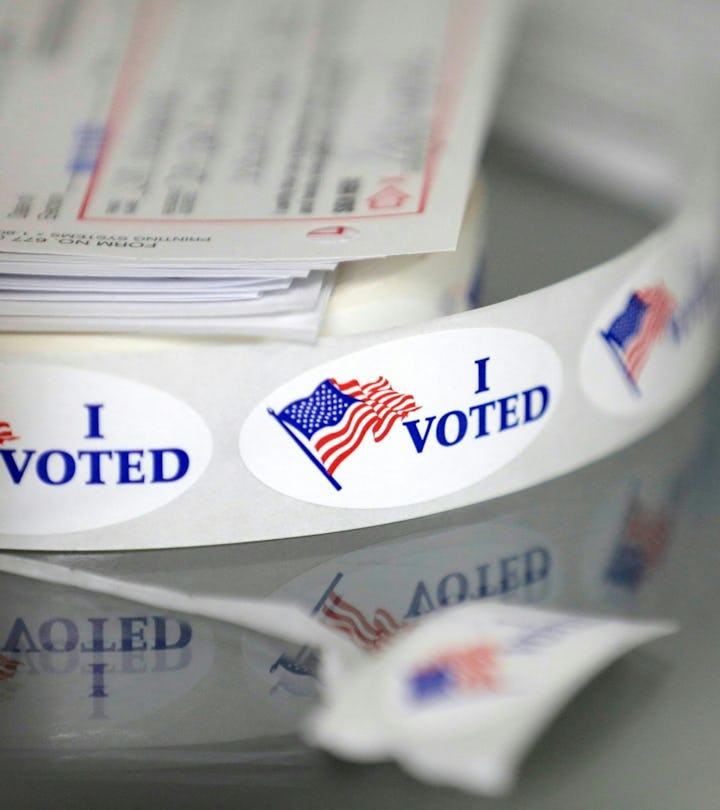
(81, 449)
(654, 338)
(406, 421)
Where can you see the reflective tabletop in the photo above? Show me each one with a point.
(104, 702)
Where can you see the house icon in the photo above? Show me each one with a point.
(388, 197)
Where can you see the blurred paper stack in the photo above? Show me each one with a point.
(184, 168)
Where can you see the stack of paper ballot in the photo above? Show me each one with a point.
(170, 166)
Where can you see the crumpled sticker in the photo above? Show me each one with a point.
(459, 699)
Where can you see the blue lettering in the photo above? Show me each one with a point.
(98, 680)
(537, 565)
(57, 467)
(161, 642)
(530, 414)
(16, 472)
(128, 634)
(701, 301)
(418, 439)
(536, 638)
(421, 599)
(95, 456)
(484, 588)
(508, 412)
(93, 422)
(17, 632)
(452, 427)
(67, 469)
(459, 593)
(509, 577)
(158, 460)
(127, 466)
(482, 375)
(46, 635)
(98, 638)
(461, 429)
(482, 409)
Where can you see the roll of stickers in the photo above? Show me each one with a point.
(136, 658)
(167, 443)
(404, 290)
(115, 443)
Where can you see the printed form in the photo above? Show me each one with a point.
(244, 149)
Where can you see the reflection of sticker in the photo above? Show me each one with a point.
(640, 547)
(79, 674)
(82, 449)
(8, 667)
(374, 594)
(652, 339)
(627, 541)
(406, 421)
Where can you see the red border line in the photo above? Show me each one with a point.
(465, 20)
(460, 36)
(146, 26)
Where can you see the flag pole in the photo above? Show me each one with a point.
(616, 355)
(330, 588)
(305, 450)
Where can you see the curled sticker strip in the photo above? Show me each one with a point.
(283, 440)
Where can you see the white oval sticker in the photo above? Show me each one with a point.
(653, 339)
(80, 449)
(406, 421)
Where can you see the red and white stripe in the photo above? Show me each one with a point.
(660, 307)
(8, 666)
(379, 406)
(6, 434)
(473, 667)
(351, 621)
(649, 532)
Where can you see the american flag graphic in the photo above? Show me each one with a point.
(8, 667)
(331, 423)
(466, 669)
(6, 434)
(638, 328)
(350, 620)
(334, 610)
(640, 548)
